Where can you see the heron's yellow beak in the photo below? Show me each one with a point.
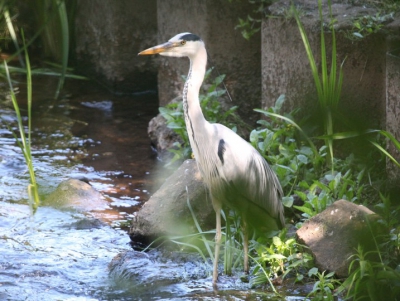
(158, 49)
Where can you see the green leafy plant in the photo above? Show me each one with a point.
(320, 194)
(366, 25)
(370, 278)
(324, 287)
(278, 255)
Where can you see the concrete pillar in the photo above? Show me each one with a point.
(286, 69)
(393, 106)
(109, 34)
(214, 21)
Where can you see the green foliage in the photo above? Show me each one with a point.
(252, 24)
(278, 255)
(320, 194)
(324, 287)
(301, 167)
(212, 110)
(375, 274)
(362, 25)
(366, 25)
(371, 279)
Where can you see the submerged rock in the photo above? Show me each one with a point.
(171, 274)
(77, 195)
(167, 211)
(158, 269)
(333, 235)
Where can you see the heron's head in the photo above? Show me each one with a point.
(183, 44)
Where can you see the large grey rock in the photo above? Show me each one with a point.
(167, 211)
(333, 235)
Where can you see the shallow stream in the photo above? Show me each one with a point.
(65, 255)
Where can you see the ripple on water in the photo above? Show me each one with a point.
(46, 257)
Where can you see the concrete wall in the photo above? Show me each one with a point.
(370, 94)
(214, 21)
(393, 105)
(286, 69)
(109, 34)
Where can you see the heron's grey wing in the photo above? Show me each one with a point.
(247, 176)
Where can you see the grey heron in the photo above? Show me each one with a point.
(232, 169)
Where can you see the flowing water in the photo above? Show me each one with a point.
(65, 255)
(88, 134)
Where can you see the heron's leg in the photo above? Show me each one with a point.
(217, 243)
(245, 246)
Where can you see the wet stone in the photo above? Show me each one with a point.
(158, 268)
(333, 235)
(167, 211)
(78, 195)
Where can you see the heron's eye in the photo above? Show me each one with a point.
(183, 42)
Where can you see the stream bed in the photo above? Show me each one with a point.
(66, 254)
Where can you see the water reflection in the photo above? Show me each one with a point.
(90, 133)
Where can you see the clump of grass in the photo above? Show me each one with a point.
(25, 142)
(328, 83)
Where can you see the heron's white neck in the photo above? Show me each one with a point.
(194, 117)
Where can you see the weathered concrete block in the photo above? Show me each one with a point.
(286, 69)
(393, 106)
(108, 35)
(214, 21)
(167, 212)
(333, 235)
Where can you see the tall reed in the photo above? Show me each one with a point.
(328, 83)
(25, 142)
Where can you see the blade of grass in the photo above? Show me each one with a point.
(33, 188)
(198, 226)
(34, 199)
(385, 152)
(24, 142)
(310, 55)
(12, 34)
(266, 275)
(41, 71)
(62, 11)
